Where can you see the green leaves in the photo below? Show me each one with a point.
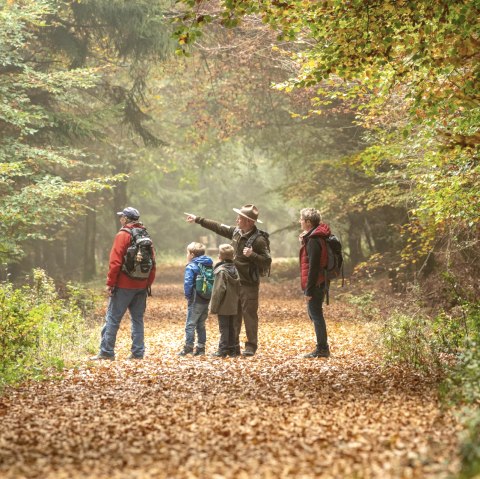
(40, 330)
(40, 177)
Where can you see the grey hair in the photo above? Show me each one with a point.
(312, 215)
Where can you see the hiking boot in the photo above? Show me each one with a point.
(102, 357)
(318, 353)
(219, 354)
(233, 353)
(134, 357)
(199, 351)
(187, 349)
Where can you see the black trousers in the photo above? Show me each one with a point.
(226, 325)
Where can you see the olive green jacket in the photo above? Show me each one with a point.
(225, 292)
(244, 264)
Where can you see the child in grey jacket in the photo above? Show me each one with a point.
(224, 301)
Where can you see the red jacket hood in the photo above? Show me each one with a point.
(130, 226)
(321, 230)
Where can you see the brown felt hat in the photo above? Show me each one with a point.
(248, 211)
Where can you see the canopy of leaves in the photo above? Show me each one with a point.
(410, 70)
(227, 125)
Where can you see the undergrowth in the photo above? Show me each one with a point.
(447, 345)
(41, 331)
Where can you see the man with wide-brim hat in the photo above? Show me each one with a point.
(249, 260)
(248, 211)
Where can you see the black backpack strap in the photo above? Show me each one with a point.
(327, 288)
(252, 239)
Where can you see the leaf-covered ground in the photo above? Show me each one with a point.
(276, 415)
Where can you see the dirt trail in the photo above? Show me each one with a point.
(275, 415)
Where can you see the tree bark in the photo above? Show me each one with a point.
(89, 263)
(355, 238)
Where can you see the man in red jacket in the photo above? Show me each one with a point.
(312, 258)
(125, 292)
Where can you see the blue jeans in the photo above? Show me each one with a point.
(197, 313)
(315, 313)
(135, 300)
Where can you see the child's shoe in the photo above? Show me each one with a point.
(219, 354)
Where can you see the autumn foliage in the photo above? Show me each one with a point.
(274, 415)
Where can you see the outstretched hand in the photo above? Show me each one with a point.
(190, 218)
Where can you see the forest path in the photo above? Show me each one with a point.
(276, 415)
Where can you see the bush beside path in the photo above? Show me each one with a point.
(276, 415)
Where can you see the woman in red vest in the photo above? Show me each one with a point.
(313, 259)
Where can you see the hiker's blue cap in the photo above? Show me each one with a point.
(130, 213)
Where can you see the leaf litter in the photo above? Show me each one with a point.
(275, 415)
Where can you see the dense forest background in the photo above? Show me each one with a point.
(203, 106)
(368, 111)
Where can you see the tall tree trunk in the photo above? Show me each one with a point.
(73, 259)
(89, 263)
(54, 258)
(119, 199)
(368, 234)
(355, 238)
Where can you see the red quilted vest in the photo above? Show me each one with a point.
(321, 231)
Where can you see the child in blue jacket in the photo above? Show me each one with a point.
(197, 306)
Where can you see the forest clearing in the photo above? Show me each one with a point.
(275, 415)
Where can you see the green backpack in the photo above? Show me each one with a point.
(204, 281)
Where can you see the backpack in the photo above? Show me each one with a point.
(333, 269)
(204, 281)
(138, 260)
(255, 269)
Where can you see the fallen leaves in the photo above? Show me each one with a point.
(275, 415)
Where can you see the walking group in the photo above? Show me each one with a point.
(230, 288)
